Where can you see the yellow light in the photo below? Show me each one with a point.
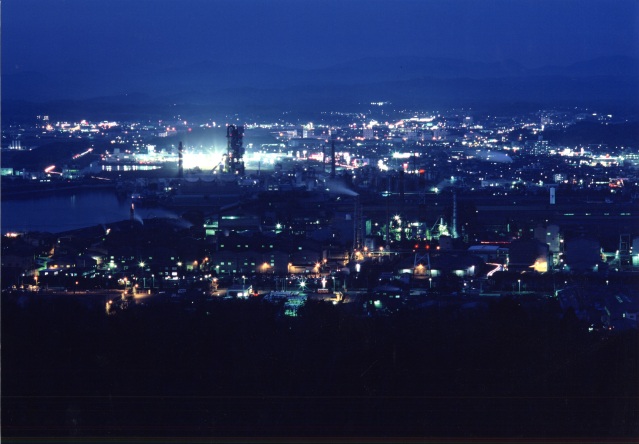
(540, 266)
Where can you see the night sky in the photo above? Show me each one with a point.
(124, 39)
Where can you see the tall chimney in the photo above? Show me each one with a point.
(401, 201)
(454, 229)
(323, 159)
(332, 158)
(180, 161)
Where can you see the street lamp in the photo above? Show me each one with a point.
(430, 283)
(519, 284)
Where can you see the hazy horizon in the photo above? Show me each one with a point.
(321, 52)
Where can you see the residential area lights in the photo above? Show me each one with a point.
(416, 164)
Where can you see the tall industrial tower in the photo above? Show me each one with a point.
(358, 221)
(333, 158)
(180, 160)
(235, 149)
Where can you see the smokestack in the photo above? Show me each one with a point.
(401, 200)
(180, 161)
(332, 158)
(357, 227)
(323, 159)
(454, 229)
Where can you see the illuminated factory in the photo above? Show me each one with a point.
(235, 150)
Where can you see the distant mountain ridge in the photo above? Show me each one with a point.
(405, 80)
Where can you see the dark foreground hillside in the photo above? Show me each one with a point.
(239, 369)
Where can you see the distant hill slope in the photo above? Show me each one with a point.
(405, 81)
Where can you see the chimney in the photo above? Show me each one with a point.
(180, 161)
(454, 228)
(332, 158)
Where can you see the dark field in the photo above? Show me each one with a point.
(238, 368)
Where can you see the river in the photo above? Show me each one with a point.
(70, 210)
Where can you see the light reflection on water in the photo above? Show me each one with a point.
(130, 167)
(69, 211)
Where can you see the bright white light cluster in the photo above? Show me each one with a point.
(205, 160)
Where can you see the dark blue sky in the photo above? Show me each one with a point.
(46, 35)
(321, 54)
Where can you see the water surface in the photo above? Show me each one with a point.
(70, 210)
